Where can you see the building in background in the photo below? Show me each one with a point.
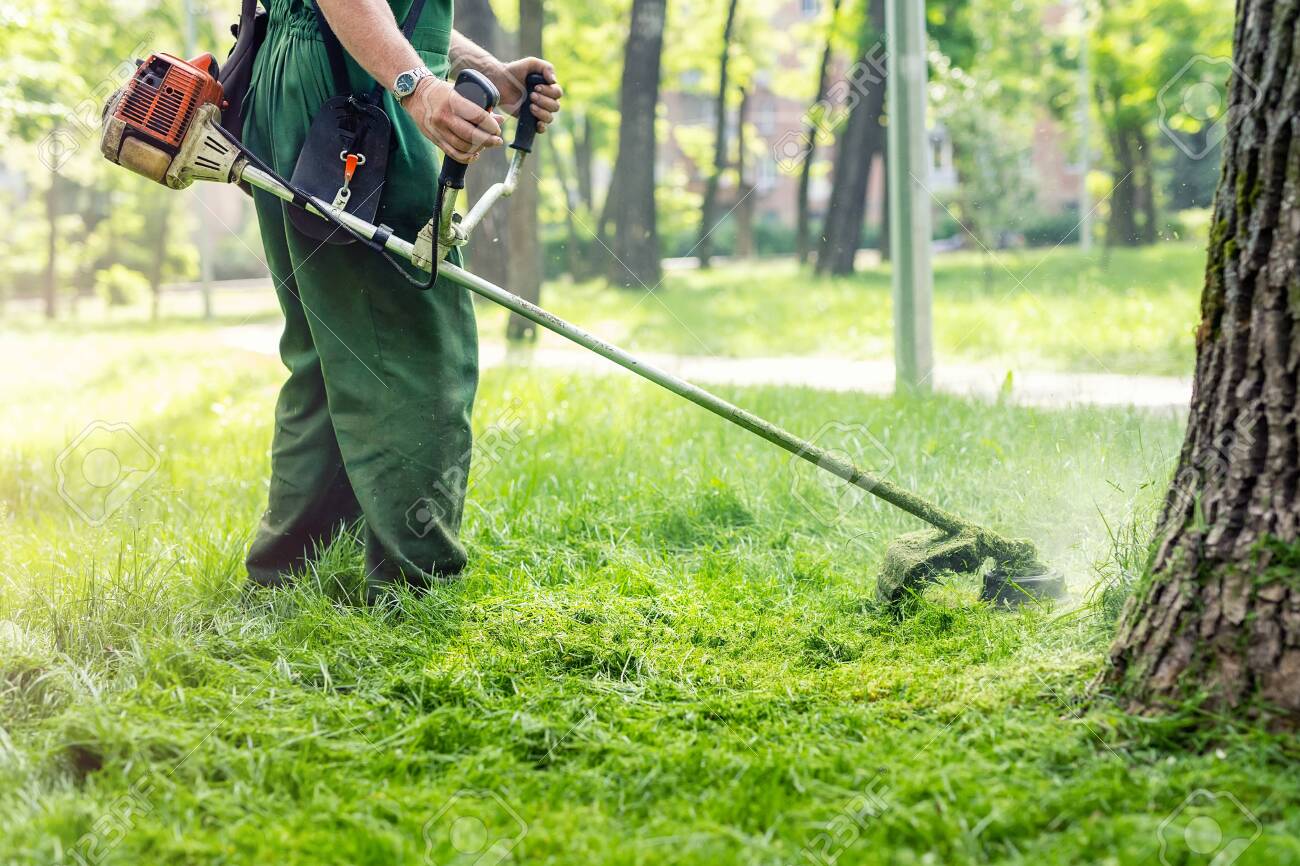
(773, 116)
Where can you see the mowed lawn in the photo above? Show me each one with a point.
(1036, 309)
(666, 648)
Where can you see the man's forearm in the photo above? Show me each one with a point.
(369, 33)
(467, 54)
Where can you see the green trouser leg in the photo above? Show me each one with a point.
(374, 420)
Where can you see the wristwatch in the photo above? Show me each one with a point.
(404, 85)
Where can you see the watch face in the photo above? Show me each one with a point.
(405, 84)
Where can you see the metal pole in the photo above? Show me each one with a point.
(822, 459)
(1085, 129)
(205, 224)
(909, 197)
(260, 179)
(874, 484)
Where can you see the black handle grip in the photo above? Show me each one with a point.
(526, 128)
(475, 87)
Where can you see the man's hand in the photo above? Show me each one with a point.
(459, 127)
(509, 79)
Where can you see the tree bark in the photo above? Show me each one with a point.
(1218, 621)
(709, 208)
(475, 19)
(630, 203)
(861, 140)
(524, 253)
(802, 227)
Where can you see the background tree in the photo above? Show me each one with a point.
(861, 139)
(744, 209)
(51, 116)
(1125, 97)
(1218, 619)
(525, 250)
(991, 154)
(630, 203)
(709, 208)
(586, 45)
(802, 228)
(573, 257)
(1139, 49)
(477, 20)
(882, 242)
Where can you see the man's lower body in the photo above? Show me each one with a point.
(373, 424)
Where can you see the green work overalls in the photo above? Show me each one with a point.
(374, 420)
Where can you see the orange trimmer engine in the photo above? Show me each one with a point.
(164, 123)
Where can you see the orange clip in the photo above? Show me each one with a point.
(350, 163)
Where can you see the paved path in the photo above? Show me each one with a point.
(830, 374)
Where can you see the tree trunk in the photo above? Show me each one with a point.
(159, 225)
(578, 197)
(709, 209)
(802, 230)
(476, 20)
(583, 152)
(1121, 226)
(972, 221)
(1134, 192)
(882, 241)
(861, 140)
(524, 253)
(630, 203)
(52, 248)
(572, 258)
(1148, 231)
(1219, 619)
(745, 201)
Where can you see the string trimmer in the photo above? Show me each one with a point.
(164, 125)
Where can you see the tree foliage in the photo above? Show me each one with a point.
(998, 69)
(1141, 51)
(61, 62)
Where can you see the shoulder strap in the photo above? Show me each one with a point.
(334, 49)
(339, 66)
(412, 18)
(247, 12)
(245, 33)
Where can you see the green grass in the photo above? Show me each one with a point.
(1028, 310)
(664, 651)
(1031, 309)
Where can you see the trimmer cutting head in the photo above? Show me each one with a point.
(1013, 575)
